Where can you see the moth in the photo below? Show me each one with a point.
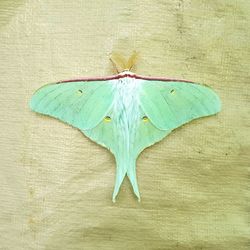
(125, 112)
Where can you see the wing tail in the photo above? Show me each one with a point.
(131, 172)
(126, 167)
(120, 174)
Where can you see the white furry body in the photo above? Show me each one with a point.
(126, 115)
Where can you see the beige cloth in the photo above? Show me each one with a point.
(56, 185)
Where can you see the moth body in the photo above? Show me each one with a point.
(126, 117)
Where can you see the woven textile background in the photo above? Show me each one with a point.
(56, 185)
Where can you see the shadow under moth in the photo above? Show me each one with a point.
(126, 112)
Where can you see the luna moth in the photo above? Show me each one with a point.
(125, 113)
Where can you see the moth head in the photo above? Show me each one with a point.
(121, 64)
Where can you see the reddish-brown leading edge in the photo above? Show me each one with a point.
(87, 79)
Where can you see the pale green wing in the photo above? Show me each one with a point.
(81, 104)
(172, 104)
